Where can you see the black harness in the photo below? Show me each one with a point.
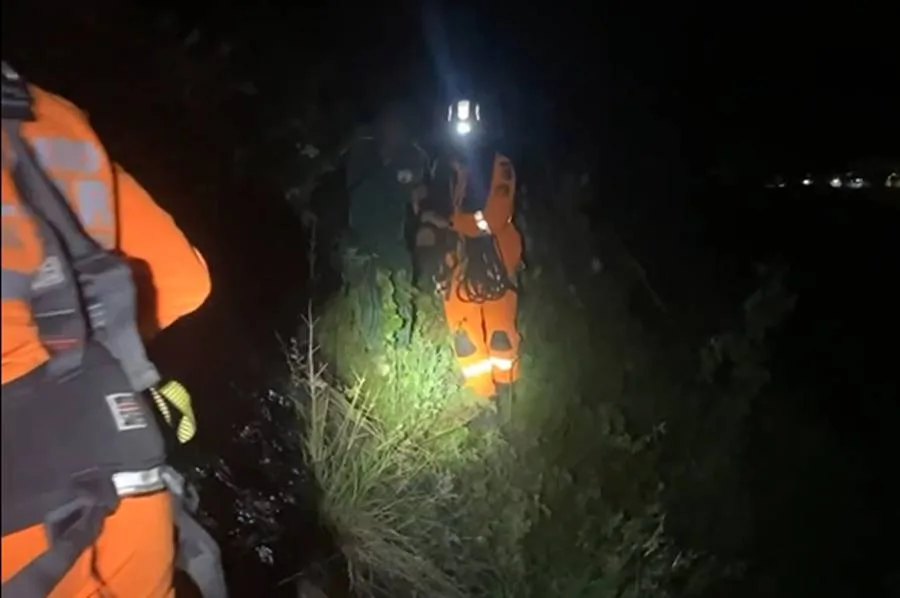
(78, 434)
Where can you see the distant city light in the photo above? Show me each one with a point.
(893, 181)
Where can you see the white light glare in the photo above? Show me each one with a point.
(807, 182)
(835, 182)
(463, 128)
(462, 110)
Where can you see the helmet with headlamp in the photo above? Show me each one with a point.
(464, 118)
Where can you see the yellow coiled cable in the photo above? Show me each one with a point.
(175, 394)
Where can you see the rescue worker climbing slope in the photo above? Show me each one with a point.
(89, 505)
(385, 172)
(478, 279)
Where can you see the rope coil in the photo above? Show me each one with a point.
(480, 274)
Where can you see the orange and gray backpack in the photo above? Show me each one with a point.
(79, 434)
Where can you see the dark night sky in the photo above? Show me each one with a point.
(792, 86)
(749, 83)
(648, 93)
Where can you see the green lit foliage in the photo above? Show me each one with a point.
(570, 499)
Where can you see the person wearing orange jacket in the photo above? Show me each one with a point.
(472, 197)
(90, 506)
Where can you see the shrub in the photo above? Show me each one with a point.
(571, 499)
(426, 508)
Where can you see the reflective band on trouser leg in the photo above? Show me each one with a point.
(503, 337)
(477, 375)
(505, 370)
(500, 315)
(474, 361)
(502, 364)
(465, 320)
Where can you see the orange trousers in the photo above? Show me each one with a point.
(133, 558)
(485, 336)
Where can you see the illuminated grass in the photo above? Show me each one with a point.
(565, 504)
(380, 490)
(388, 468)
(569, 500)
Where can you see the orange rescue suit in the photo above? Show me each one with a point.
(486, 339)
(134, 555)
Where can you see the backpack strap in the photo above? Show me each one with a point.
(81, 291)
(83, 300)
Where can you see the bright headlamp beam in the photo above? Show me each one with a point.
(462, 110)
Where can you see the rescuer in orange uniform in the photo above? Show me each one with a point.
(472, 197)
(89, 505)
